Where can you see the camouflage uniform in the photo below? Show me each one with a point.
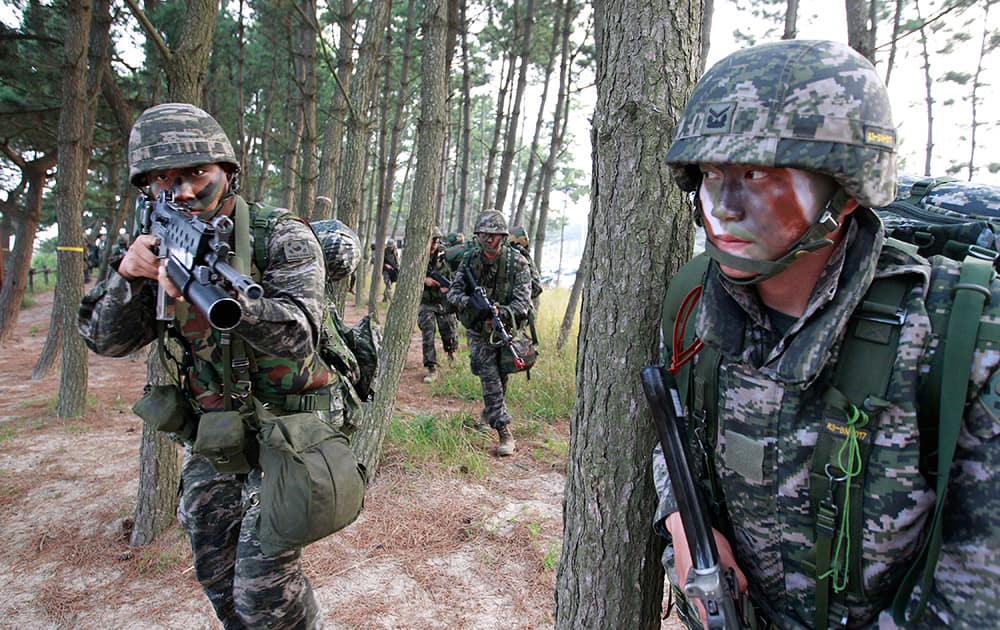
(771, 384)
(246, 587)
(507, 280)
(435, 314)
(391, 258)
(770, 396)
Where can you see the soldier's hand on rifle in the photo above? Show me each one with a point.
(169, 287)
(431, 282)
(682, 558)
(140, 259)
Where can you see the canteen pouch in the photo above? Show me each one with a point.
(312, 484)
(166, 408)
(222, 441)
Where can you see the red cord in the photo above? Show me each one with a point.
(678, 359)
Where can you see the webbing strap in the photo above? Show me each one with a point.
(860, 384)
(970, 297)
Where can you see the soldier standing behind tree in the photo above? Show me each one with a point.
(435, 312)
(505, 275)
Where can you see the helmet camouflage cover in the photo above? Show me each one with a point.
(491, 222)
(436, 232)
(811, 105)
(518, 236)
(176, 135)
(341, 248)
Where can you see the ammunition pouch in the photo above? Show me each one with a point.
(222, 440)
(166, 408)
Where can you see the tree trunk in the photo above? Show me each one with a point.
(574, 295)
(76, 128)
(333, 132)
(896, 18)
(306, 48)
(462, 222)
(529, 171)
(609, 574)
(791, 18)
(367, 442)
(985, 47)
(558, 129)
(507, 157)
(26, 219)
(928, 98)
(498, 124)
(858, 35)
(355, 160)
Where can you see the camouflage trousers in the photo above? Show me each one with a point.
(484, 360)
(386, 286)
(247, 588)
(432, 317)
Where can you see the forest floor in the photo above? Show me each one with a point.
(433, 548)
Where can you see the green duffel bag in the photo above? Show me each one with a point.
(312, 484)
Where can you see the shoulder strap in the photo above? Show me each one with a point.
(261, 219)
(949, 381)
(684, 281)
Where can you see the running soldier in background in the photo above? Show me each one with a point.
(506, 277)
(435, 312)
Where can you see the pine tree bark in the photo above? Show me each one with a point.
(333, 130)
(367, 442)
(26, 217)
(648, 53)
(507, 157)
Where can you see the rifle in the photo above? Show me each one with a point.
(196, 254)
(481, 304)
(438, 277)
(706, 580)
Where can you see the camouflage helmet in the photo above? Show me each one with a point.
(518, 236)
(811, 105)
(437, 233)
(176, 135)
(341, 248)
(491, 222)
(454, 238)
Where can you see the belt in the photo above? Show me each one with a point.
(321, 401)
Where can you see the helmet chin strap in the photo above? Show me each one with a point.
(813, 239)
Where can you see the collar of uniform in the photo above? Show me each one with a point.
(731, 315)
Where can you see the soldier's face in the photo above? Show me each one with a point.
(759, 213)
(490, 243)
(198, 187)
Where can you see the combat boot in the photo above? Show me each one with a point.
(431, 375)
(507, 444)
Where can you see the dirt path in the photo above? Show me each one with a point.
(432, 549)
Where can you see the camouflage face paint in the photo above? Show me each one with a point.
(199, 188)
(757, 212)
(490, 243)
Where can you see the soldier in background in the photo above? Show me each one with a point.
(390, 268)
(435, 312)
(506, 276)
(518, 239)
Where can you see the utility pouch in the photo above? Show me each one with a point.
(312, 484)
(222, 440)
(166, 408)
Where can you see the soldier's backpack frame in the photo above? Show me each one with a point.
(863, 373)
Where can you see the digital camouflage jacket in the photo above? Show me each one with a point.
(771, 414)
(281, 329)
(506, 279)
